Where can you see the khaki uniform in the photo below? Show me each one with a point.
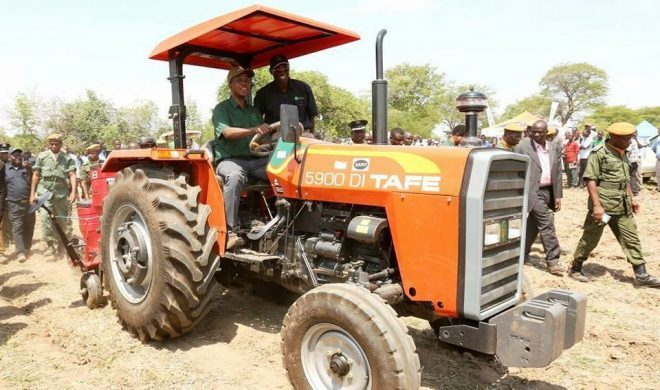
(54, 177)
(611, 172)
(503, 145)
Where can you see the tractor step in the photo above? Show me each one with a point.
(249, 256)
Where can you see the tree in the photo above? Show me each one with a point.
(577, 87)
(135, 121)
(603, 116)
(651, 114)
(415, 94)
(25, 118)
(88, 120)
(536, 104)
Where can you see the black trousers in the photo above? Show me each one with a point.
(541, 221)
(22, 224)
(583, 167)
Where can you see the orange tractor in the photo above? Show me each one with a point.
(365, 233)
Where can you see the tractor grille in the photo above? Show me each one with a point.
(503, 203)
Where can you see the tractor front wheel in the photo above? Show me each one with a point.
(341, 336)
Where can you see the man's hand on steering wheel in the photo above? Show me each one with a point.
(264, 129)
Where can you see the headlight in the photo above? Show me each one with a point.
(492, 233)
(515, 227)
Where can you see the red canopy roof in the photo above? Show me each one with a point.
(252, 36)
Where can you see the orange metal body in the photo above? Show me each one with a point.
(255, 33)
(419, 189)
(197, 166)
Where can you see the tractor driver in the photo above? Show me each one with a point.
(235, 122)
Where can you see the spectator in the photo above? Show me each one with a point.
(611, 203)
(3, 196)
(599, 137)
(18, 179)
(6, 237)
(635, 158)
(133, 145)
(397, 136)
(147, 142)
(408, 138)
(545, 194)
(586, 145)
(285, 90)
(358, 131)
(368, 139)
(571, 152)
(457, 134)
(54, 171)
(656, 149)
(511, 137)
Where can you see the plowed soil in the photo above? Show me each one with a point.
(50, 339)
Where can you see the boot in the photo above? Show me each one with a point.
(555, 268)
(643, 279)
(50, 250)
(575, 272)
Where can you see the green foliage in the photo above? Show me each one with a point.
(416, 92)
(536, 104)
(577, 87)
(337, 106)
(603, 116)
(25, 118)
(89, 120)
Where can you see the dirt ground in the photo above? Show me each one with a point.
(49, 339)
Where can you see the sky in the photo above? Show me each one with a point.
(61, 48)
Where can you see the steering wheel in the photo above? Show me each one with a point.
(262, 145)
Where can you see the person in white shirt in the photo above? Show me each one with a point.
(586, 145)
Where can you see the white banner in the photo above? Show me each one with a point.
(553, 110)
(489, 115)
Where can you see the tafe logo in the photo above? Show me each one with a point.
(360, 164)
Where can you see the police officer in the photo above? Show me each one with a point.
(3, 197)
(92, 153)
(5, 234)
(611, 203)
(18, 177)
(54, 171)
(358, 131)
(512, 135)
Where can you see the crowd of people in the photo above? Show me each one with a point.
(607, 168)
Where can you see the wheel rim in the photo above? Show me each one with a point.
(131, 256)
(332, 359)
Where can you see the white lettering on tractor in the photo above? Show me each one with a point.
(375, 180)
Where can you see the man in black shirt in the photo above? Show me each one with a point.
(285, 90)
(17, 179)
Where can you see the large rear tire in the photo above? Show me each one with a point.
(158, 257)
(340, 336)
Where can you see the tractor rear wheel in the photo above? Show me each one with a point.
(341, 336)
(158, 256)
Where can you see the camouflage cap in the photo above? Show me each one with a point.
(55, 137)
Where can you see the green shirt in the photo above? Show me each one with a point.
(54, 174)
(449, 142)
(229, 114)
(611, 172)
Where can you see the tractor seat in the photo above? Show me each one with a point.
(252, 184)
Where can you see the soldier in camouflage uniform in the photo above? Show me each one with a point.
(92, 159)
(512, 134)
(611, 203)
(54, 171)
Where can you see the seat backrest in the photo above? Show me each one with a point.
(209, 147)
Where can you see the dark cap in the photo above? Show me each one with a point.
(277, 60)
(4, 147)
(16, 150)
(358, 125)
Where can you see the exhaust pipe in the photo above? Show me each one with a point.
(379, 96)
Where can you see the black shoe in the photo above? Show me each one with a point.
(643, 279)
(575, 272)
